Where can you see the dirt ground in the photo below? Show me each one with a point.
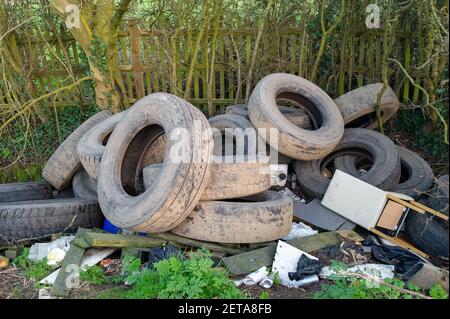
(14, 285)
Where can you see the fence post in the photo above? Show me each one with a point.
(136, 60)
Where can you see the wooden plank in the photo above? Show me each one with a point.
(120, 241)
(430, 210)
(73, 257)
(399, 242)
(405, 203)
(255, 259)
(195, 243)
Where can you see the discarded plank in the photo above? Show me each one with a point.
(81, 242)
(120, 241)
(195, 243)
(72, 259)
(250, 261)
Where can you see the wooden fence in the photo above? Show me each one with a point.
(153, 61)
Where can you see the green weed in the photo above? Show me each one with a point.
(95, 275)
(176, 277)
(36, 270)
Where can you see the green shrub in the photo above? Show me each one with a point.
(36, 270)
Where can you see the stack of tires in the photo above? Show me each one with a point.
(37, 210)
(339, 135)
(162, 166)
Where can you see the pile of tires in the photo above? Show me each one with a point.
(163, 166)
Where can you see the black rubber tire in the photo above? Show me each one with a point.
(416, 175)
(358, 106)
(64, 162)
(16, 192)
(231, 177)
(293, 141)
(233, 121)
(438, 198)
(384, 174)
(91, 146)
(295, 115)
(31, 219)
(262, 217)
(181, 184)
(83, 186)
(428, 233)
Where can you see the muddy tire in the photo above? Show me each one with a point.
(64, 162)
(91, 146)
(428, 232)
(295, 115)
(259, 218)
(416, 175)
(231, 177)
(83, 186)
(358, 106)
(31, 219)
(293, 141)
(438, 199)
(181, 183)
(17, 192)
(384, 173)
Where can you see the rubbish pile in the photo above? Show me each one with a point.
(161, 168)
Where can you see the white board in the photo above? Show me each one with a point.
(354, 199)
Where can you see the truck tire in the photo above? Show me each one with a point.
(83, 186)
(40, 218)
(231, 177)
(259, 218)
(358, 106)
(17, 192)
(182, 183)
(384, 173)
(428, 232)
(416, 175)
(64, 162)
(91, 146)
(295, 115)
(227, 147)
(293, 141)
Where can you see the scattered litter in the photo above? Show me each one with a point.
(402, 259)
(286, 261)
(287, 192)
(267, 282)
(318, 215)
(256, 276)
(4, 262)
(45, 293)
(55, 256)
(373, 270)
(305, 267)
(300, 230)
(40, 251)
(92, 257)
(278, 174)
(160, 253)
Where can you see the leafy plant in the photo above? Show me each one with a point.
(437, 292)
(264, 295)
(36, 270)
(176, 277)
(95, 275)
